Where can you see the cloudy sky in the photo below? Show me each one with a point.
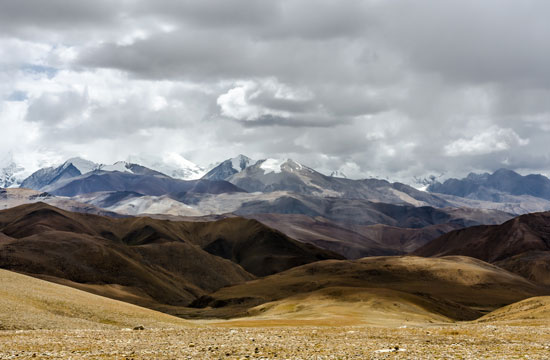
(392, 89)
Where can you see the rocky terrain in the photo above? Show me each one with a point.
(283, 341)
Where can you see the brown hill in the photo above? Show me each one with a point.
(458, 288)
(352, 240)
(141, 260)
(532, 265)
(520, 245)
(257, 248)
(530, 232)
(350, 306)
(29, 303)
(532, 311)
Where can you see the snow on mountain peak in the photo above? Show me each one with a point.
(11, 174)
(241, 162)
(121, 166)
(272, 165)
(83, 165)
(275, 165)
(171, 164)
(339, 174)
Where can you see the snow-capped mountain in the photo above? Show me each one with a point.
(71, 168)
(229, 167)
(423, 183)
(271, 175)
(11, 174)
(282, 174)
(82, 165)
(171, 164)
(76, 167)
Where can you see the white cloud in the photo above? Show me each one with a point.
(489, 141)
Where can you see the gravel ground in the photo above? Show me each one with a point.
(462, 341)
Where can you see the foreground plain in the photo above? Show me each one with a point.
(227, 341)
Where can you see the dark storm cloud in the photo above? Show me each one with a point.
(396, 88)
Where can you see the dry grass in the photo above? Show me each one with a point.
(532, 311)
(351, 306)
(29, 303)
(458, 288)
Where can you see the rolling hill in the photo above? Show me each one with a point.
(142, 260)
(530, 232)
(457, 288)
(520, 245)
(532, 311)
(30, 303)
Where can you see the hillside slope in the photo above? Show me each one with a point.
(29, 303)
(532, 311)
(142, 260)
(530, 232)
(458, 288)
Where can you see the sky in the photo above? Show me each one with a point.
(374, 88)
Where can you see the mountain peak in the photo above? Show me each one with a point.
(121, 166)
(11, 174)
(338, 173)
(240, 162)
(171, 164)
(82, 165)
(505, 172)
(278, 165)
(229, 167)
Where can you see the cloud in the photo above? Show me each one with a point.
(380, 88)
(55, 108)
(492, 140)
(270, 103)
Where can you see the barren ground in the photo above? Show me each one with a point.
(230, 341)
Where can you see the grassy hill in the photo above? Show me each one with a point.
(29, 303)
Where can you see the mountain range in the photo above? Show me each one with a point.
(503, 190)
(354, 218)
